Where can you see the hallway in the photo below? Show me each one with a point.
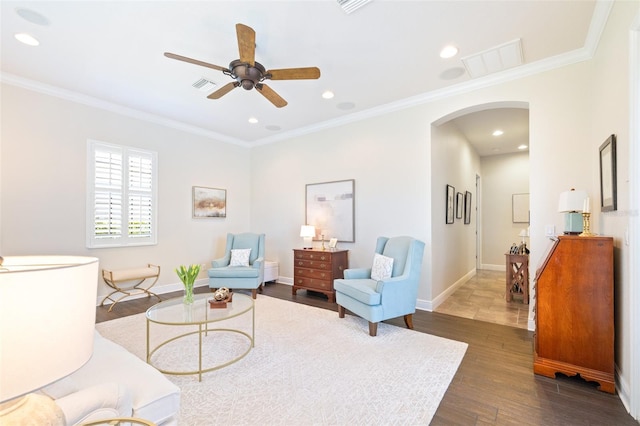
(482, 298)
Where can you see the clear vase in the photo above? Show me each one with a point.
(188, 294)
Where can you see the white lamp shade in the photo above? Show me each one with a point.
(47, 319)
(572, 201)
(307, 231)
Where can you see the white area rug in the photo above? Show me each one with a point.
(308, 367)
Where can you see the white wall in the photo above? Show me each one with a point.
(43, 175)
(456, 163)
(502, 176)
(564, 114)
(611, 114)
(390, 155)
(373, 153)
(571, 111)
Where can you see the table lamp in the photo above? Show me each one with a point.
(571, 204)
(47, 323)
(307, 232)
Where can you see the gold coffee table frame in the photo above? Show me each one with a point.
(174, 312)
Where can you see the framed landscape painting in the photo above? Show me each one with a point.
(209, 202)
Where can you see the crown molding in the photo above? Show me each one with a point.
(522, 71)
(72, 96)
(596, 27)
(598, 21)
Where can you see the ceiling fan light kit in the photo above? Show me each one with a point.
(249, 74)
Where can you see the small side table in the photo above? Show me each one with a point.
(517, 277)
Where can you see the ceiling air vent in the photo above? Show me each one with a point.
(507, 55)
(204, 85)
(352, 5)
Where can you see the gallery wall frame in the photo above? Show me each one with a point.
(467, 207)
(330, 207)
(520, 208)
(450, 202)
(459, 205)
(608, 175)
(208, 202)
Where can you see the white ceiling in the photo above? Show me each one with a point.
(383, 56)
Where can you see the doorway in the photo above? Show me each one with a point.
(500, 169)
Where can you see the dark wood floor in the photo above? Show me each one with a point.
(494, 385)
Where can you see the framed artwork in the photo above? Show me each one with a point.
(333, 242)
(459, 205)
(451, 204)
(467, 207)
(209, 202)
(520, 208)
(608, 180)
(330, 207)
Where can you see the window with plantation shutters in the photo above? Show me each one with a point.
(121, 203)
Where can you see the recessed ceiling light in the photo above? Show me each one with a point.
(27, 39)
(498, 133)
(253, 120)
(273, 127)
(523, 146)
(448, 52)
(328, 94)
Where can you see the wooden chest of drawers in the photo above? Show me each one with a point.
(315, 270)
(575, 311)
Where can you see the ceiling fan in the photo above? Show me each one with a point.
(248, 73)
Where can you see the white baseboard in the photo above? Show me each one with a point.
(431, 305)
(490, 267)
(622, 387)
(285, 280)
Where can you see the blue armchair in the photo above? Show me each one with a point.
(381, 299)
(234, 272)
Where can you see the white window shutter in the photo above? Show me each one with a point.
(121, 203)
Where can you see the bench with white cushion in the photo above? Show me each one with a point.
(129, 282)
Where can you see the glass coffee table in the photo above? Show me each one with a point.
(173, 312)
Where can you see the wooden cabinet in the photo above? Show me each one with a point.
(574, 311)
(315, 270)
(517, 277)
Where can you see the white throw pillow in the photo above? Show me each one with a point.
(240, 257)
(382, 267)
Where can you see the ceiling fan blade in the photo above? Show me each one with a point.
(294, 73)
(272, 96)
(194, 61)
(246, 44)
(224, 90)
